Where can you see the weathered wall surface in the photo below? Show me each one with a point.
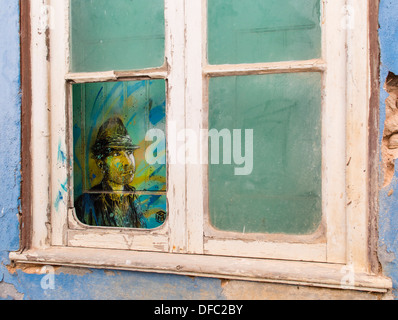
(10, 137)
(69, 283)
(388, 217)
(388, 200)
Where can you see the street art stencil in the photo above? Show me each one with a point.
(114, 186)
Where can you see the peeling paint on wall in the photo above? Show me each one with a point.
(389, 146)
(388, 196)
(9, 292)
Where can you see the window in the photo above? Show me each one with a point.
(268, 113)
(260, 108)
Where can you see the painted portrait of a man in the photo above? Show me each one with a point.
(114, 184)
(112, 202)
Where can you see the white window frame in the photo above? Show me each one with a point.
(186, 243)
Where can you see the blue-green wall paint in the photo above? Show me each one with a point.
(103, 284)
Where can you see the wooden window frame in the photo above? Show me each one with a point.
(186, 243)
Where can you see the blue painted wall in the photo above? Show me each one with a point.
(388, 216)
(10, 126)
(102, 284)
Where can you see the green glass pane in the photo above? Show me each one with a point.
(250, 31)
(111, 122)
(116, 35)
(271, 183)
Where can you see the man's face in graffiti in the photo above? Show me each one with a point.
(118, 166)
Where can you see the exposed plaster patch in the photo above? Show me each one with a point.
(38, 269)
(386, 256)
(224, 282)
(389, 147)
(28, 268)
(111, 273)
(73, 271)
(9, 292)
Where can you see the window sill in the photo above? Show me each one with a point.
(262, 270)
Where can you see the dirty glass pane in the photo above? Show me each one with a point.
(116, 35)
(119, 153)
(270, 183)
(250, 31)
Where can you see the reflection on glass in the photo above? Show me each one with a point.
(114, 186)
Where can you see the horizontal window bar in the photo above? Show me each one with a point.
(137, 192)
(156, 73)
(316, 65)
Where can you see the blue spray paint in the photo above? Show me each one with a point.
(61, 193)
(61, 158)
(156, 114)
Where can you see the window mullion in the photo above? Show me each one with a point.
(196, 147)
(175, 123)
(40, 134)
(57, 56)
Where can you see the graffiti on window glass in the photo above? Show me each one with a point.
(114, 184)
